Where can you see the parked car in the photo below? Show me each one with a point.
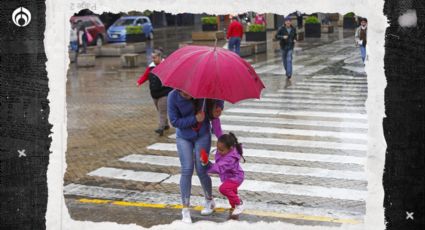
(94, 26)
(117, 31)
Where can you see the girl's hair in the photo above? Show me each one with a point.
(158, 52)
(230, 140)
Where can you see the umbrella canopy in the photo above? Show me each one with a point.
(210, 72)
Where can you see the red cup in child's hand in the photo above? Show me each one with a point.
(204, 157)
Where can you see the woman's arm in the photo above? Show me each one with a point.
(174, 114)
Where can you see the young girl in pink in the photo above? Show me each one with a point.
(227, 157)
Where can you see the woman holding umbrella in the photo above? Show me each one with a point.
(197, 73)
(193, 133)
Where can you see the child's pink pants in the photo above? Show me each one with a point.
(229, 189)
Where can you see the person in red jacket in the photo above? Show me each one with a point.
(234, 34)
(159, 93)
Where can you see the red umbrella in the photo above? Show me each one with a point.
(210, 72)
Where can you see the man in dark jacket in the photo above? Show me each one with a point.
(287, 35)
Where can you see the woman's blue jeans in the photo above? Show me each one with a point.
(287, 60)
(363, 52)
(189, 154)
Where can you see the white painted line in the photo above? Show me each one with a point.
(287, 121)
(323, 91)
(339, 77)
(298, 132)
(311, 69)
(290, 189)
(307, 101)
(272, 154)
(298, 143)
(265, 62)
(255, 167)
(303, 106)
(267, 68)
(175, 199)
(129, 174)
(247, 185)
(297, 113)
(342, 90)
(355, 69)
(317, 97)
(342, 85)
(342, 81)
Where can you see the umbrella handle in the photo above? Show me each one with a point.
(203, 105)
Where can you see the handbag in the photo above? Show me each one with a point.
(89, 37)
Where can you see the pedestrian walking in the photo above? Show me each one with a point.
(287, 35)
(234, 35)
(227, 157)
(73, 39)
(158, 92)
(193, 134)
(361, 37)
(299, 19)
(260, 19)
(82, 37)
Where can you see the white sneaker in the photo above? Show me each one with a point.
(186, 216)
(209, 206)
(238, 209)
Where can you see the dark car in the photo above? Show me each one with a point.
(94, 26)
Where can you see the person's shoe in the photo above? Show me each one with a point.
(238, 209)
(230, 217)
(159, 131)
(186, 216)
(209, 206)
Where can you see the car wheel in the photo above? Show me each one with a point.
(99, 41)
(150, 37)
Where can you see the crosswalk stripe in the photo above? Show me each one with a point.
(247, 185)
(339, 77)
(322, 91)
(342, 81)
(303, 95)
(303, 106)
(299, 132)
(297, 113)
(290, 189)
(308, 101)
(272, 154)
(265, 62)
(129, 175)
(175, 199)
(255, 167)
(327, 88)
(287, 121)
(267, 68)
(311, 69)
(357, 69)
(341, 85)
(299, 143)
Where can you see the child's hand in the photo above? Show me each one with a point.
(204, 157)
